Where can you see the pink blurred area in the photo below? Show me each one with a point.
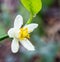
(9, 5)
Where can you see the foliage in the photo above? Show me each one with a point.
(32, 6)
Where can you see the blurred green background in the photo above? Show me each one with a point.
(44, 38)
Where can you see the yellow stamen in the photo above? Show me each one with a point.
(23, 33)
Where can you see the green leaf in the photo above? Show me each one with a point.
(33, 6)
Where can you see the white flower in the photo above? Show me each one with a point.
(21, 34)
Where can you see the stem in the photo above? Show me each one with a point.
(4, 37)
(30, 19)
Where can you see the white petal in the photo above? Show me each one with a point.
(31, 27)
(27, 44)
(11, 32)
(15, 46)
(18, 21)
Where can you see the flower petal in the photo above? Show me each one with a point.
(18, 21)
(31, 27)
(27, 44)
(11, 32)
(15, 46)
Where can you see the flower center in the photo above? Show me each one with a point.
(23, 33)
